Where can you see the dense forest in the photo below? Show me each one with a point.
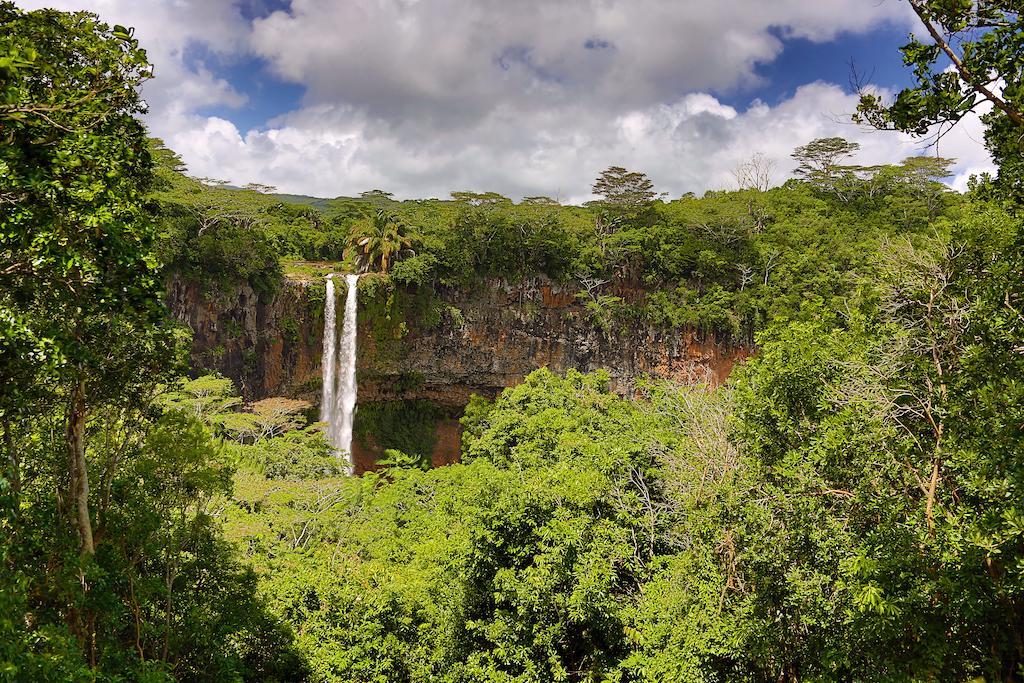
(847, 507)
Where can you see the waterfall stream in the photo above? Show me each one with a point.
(338, 401)
(328, 362)
(346, 397)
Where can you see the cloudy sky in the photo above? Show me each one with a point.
(522, 97)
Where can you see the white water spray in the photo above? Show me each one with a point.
(338, 402)
(346, 398)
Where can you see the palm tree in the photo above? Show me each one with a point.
(380, 241)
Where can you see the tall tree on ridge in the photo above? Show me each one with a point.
(380, 241)
(624, 189)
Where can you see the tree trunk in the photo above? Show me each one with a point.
(79, 473)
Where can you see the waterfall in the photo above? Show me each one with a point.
(338, 401)
(346, 398)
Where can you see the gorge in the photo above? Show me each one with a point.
(693, 427)
(424, 351)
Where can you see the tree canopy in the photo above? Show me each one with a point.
(621, 188)
(972, 55)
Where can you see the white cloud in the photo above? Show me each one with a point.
(526, 97)
(450, 61)
(691, 144)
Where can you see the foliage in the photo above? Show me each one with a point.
(396, 458)
(626, 189)
(983, 49)
(84, 326)
(785, 528)
(73, 169)
(265, 419)
(380, 241)
(213, 234)
(725, 263)
(166, 593)
(202, 397)
(112, 566)
(847, 508)
(537, 588)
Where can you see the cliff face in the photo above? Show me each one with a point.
(433, 347)
(485, 339)
(268, 347)
(461, 342)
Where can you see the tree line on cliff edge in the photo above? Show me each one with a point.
(848, 508)
(725, 263)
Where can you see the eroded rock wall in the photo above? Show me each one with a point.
(483, 340)
(269, 346)
(434, 347)
(463, 341)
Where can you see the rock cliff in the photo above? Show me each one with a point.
(269, 346)
(439, 347)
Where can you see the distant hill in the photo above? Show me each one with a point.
(318, 202)
(326, 204)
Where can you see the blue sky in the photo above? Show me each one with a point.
(267, 96)
(874, 54)
(423, 97)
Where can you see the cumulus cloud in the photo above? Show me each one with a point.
(421, 97)
(688, 145)
(453, 60)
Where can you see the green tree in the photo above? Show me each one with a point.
(378, 242)
(377, 194)
(883, 449)
(214, 234)
(173, 593)
(540, 201)
(819, 162)
(973, 54)
(624, 189)
(260, 187)
(480, 198)
(98, 514)
(204, 397)
(78, 265)
(264, 419)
